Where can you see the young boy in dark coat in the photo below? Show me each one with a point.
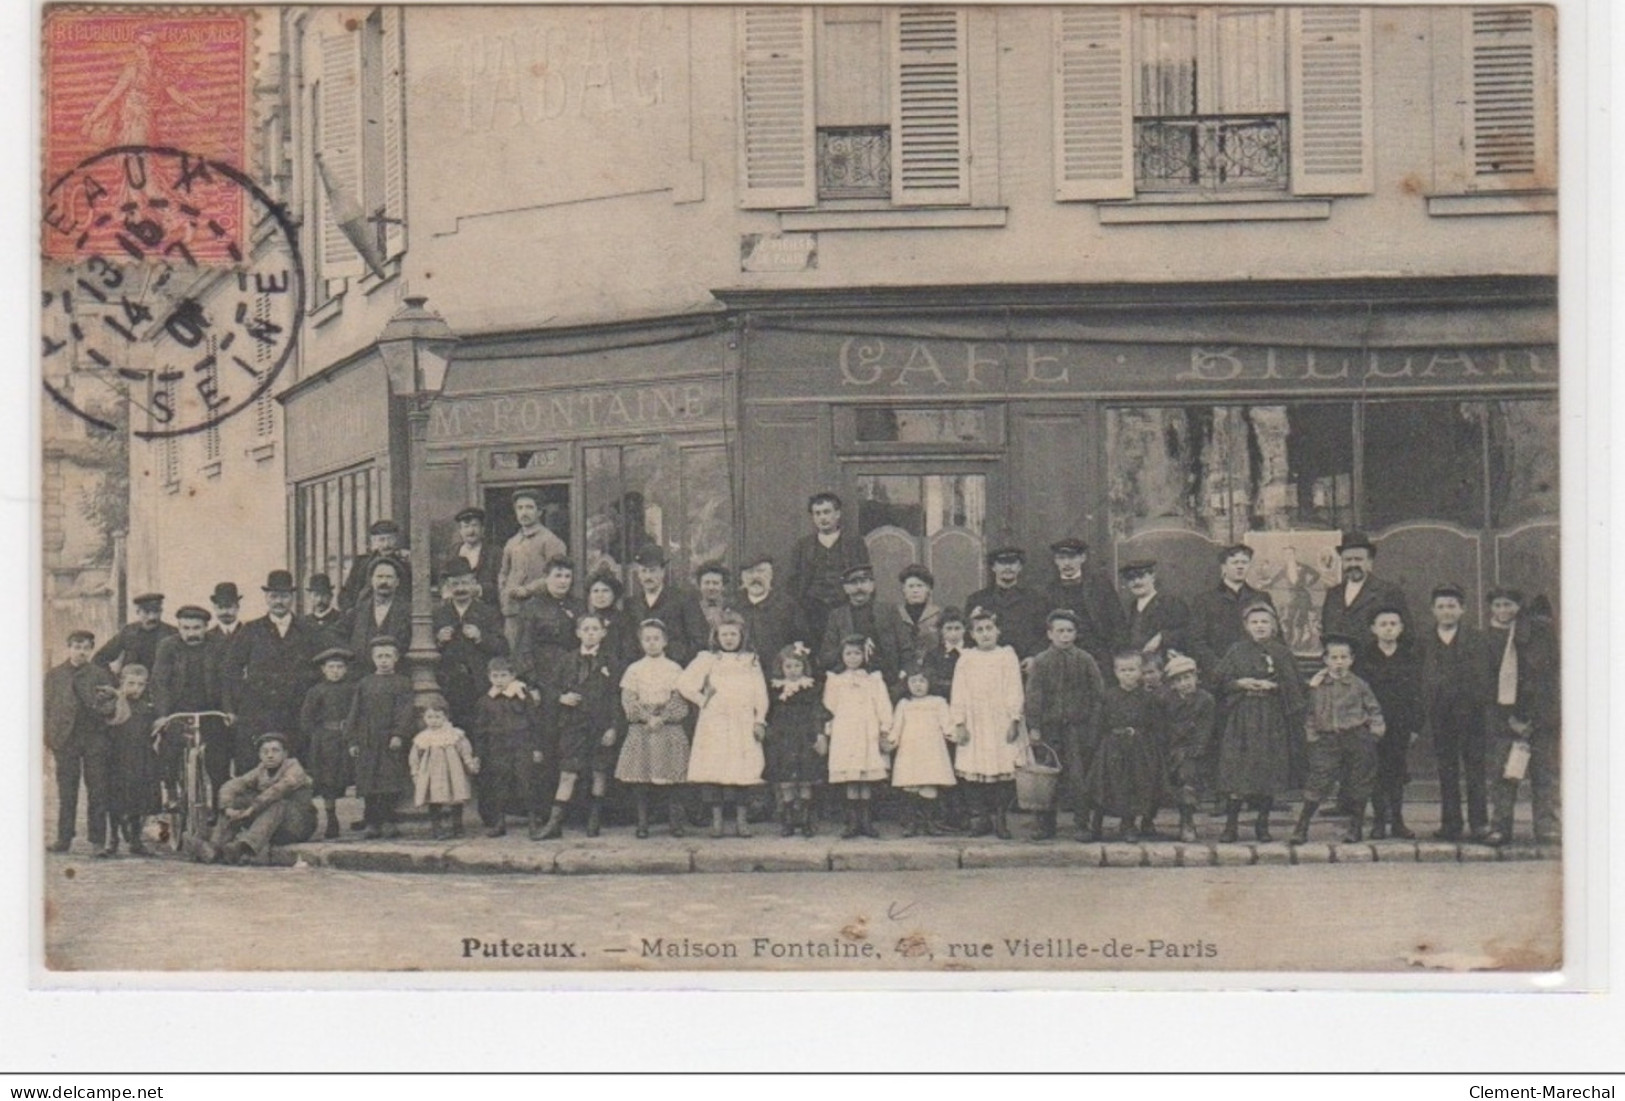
(133, 788)
(380, 727)
(1063, 703)
(507, 739)
(1390, 664)
(1190, 710)
(321, 722)
(583, 700)
(1455, 696)
(1126, 778)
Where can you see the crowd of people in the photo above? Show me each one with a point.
(814, 691)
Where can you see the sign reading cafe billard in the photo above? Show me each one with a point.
(870, 366)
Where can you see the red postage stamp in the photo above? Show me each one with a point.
(165, 80)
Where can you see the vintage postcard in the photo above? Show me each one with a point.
(1023, 491)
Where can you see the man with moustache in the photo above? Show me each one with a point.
(382, 610)
(268, 668)
(772, 620)
(469, 634)
(1350, 608)
(186, 677)
(480, 558)
(687, 630)
(1020, 611)
(228, 607)
(137, 643)
(892, 645)
(1102, 627)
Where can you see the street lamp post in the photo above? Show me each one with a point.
(416, 346)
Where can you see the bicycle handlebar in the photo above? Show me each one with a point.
(167, 719)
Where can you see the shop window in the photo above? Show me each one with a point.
(1523, 461)
(1229, 469)
(331, 518)
(1212, 101)
(938, 520)
(853, 103)
(873, 424)
(679, 497)
(1423, 460)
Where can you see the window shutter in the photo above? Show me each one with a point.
(394, 132)
(341, 147)
(1331, 101)
(930, 162)
(1511, 131)
(1094, 125)
(776, 108)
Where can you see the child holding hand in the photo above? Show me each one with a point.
(921, 729)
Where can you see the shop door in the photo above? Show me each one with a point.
(936, 518)
(555, 501)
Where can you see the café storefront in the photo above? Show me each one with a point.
(627, 433)
(1167, 422)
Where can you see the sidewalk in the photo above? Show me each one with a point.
(617, 852)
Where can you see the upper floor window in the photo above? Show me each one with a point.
(853, 103)
(1212, 100)
(358, 138)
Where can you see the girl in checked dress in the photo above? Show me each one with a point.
(656, 749)
(725, 682)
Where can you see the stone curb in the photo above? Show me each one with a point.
(609, 856)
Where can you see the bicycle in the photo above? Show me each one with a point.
(190, 798)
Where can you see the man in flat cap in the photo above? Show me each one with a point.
(772, 618)
(1524, 717)
(1350, 608)
(469, 634)
(76, 697)
(523, 571)
(819, 560)
(268, 669)
(383, 545)
(186, 677)
(473, 550)
(1157, 621)
(1102, 628)
(652, 595)
(228, 608)
(1019, 610)
(1216, 613)
(891, 642)
(137, 643)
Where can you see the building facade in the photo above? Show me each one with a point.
(1163, 278)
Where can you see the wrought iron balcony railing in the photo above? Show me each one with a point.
(1195, 153)
(854, 162)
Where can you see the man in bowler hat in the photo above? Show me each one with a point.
(1350, 608)
(268, 669)
(228, 607)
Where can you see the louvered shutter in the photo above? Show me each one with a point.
(1511, 125)
(776, 108)
(340, 147)
(930, 150)
(1330, 132)
(394, 77)
(1094, 124)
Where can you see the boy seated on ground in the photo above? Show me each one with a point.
(269, 805)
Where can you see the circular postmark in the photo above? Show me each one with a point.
(172, 291)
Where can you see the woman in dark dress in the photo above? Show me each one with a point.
(1264, 704)
(620, 645)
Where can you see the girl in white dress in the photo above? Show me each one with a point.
(860, 716)
(442, 761)
(727, 685)
(921, 729)
(656, 749)
(985, 704)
